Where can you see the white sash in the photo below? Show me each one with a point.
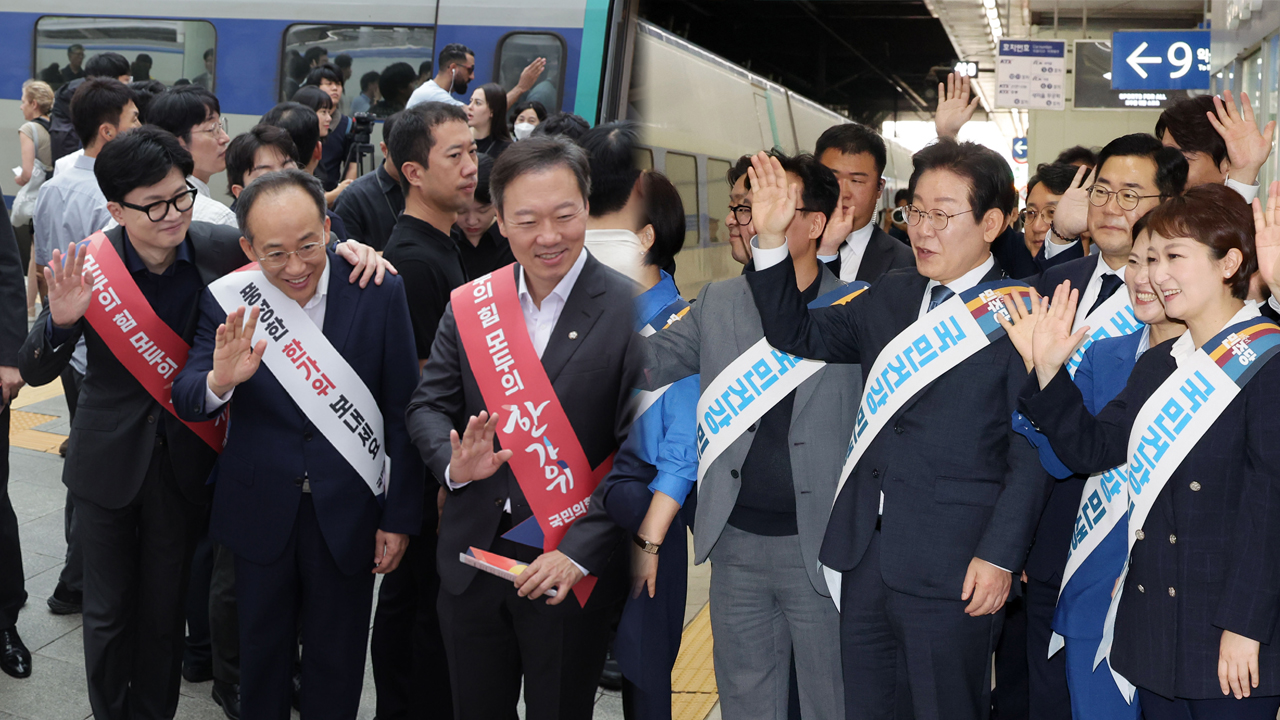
(742, 393)
(313, 373)
(945, 337)
(1113, 318)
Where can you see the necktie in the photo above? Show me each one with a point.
(938, 295)
(1110, 283)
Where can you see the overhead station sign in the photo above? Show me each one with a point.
(1030, 74)
(1160, 60)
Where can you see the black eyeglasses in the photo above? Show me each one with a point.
(159, 210)
(741, 213)
(1029, 216)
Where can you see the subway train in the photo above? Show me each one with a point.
(698, 113)
(256, 48)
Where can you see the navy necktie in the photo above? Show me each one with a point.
(938, 295)
(1110, 283)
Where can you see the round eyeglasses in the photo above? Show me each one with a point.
(279, 258)
(937, 218)
(1127, 199)
(159, 210)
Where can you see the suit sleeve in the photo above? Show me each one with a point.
(438, 405)
(192, 381)
(675, 352)
(13, 294)
(1085, 443)
(39, 361)
(404, 507)
(1026, 487)
(829, 334)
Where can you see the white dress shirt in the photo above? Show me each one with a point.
(961, 284)
(1089, 294)
(314, 309)
(429, 91)
(851, 252)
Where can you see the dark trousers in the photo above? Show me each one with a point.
(198, 651)
(13, 593)
(136, 562)
(1047, 676)
(493, 638)
(911, 657)
(641, 704)
(224, 624)
(1009, 699)
(410, 671)
(72, 575)
(1156, 707)
(305, 584)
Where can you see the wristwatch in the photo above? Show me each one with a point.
(645, 545)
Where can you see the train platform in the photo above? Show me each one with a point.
(56, 688)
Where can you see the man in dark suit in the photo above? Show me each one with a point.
(138, 474)
(1135, 174)
(15, 660)
(579, 318)
(856, 154)
(939, 509)
(303, 543)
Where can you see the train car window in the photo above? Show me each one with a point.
(644, 158)
(515, 52)
(718, 198)
(401, 55)
(682, 171)
(170, 51)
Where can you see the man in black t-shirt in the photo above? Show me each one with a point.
(436, 157)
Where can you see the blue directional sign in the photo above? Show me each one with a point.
(1020, 149)
(1160, 60)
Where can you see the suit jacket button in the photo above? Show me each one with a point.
(752, 428)
(1139, 534)
(1173, 539)
(297, 482)
(1141, 589)
(875, 473)
(306, 436)
(898, 429)
(1195, 486)
(733, 473)
(497, 502)
(37, 353)
(1172, 592)
(151, 418)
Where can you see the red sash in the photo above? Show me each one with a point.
(148, 348)
(549, 463)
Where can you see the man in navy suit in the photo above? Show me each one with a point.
(307, 530)
(939, 509)
(1135, 174)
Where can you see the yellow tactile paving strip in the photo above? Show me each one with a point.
(21, 423)
(693, 679)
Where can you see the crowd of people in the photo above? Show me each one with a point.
(913, 448)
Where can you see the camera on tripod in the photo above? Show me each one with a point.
(362, 133)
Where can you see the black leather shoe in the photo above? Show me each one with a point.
(15, 660)
(611, 675)
(228, 698)
(65, 601)
(194, 673)
(295, 698)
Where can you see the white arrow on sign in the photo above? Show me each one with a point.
(1019, 146)
(1136, 61)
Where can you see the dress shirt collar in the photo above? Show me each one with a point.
(1102, 268)
(1184, 347)
(561, 290)
(966, 281)
(84, 162)
(1144, 342)
(860, 238)
(200, 186)
(322, 287)
(133, 261)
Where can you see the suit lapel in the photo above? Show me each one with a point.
(581, 310)
(875, 260)
(341, 305)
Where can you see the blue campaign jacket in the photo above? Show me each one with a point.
(271, 445)
(660, 454)
(1082, 606)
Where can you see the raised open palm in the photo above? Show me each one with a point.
(473, 456)
(955, 107)
(1053, 342)
(1266, 228)
(773, 200)
(1247, 147)
(839, 227)
(235, 357)
(70, 288)
(1071, 218)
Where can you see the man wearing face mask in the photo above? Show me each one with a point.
(617, 209)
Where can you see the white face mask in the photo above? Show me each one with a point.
(620, 251)
(524, 130)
